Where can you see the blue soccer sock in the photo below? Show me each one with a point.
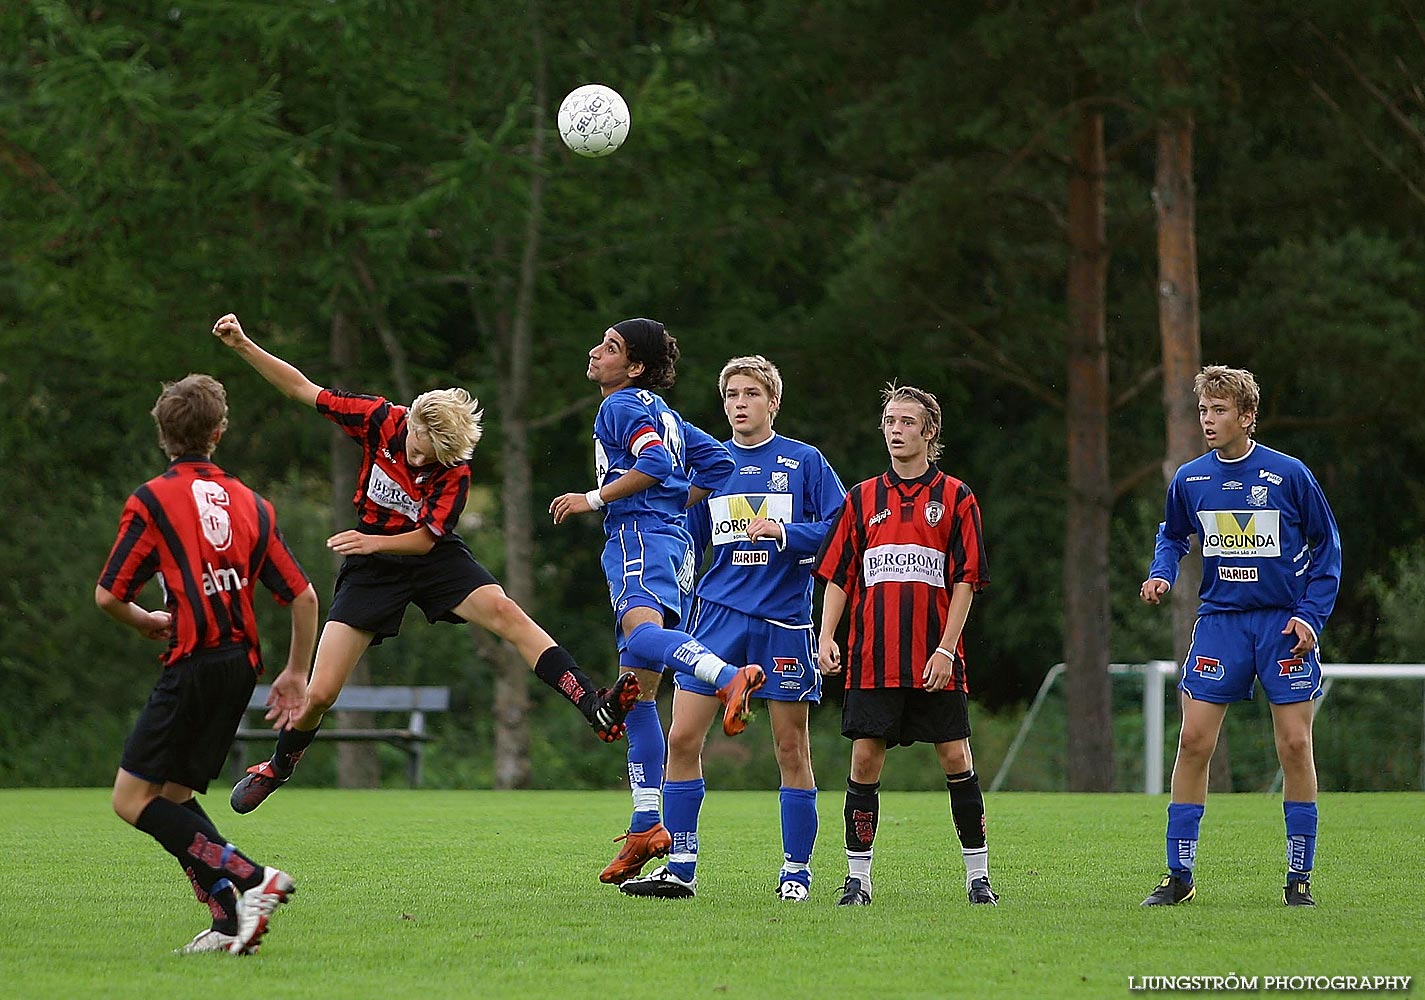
(680, 651)
(1300, 839)
(682, 800)
(646, 751)
(798, 832)
(1184, 822)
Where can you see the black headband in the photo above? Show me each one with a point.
(644, 338)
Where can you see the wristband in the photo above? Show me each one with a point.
(596, 502)
(945, 653)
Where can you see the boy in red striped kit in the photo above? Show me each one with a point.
(410, 491)
(906, 554)
(210, 540)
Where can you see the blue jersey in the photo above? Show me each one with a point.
(1269, 539)
(782, 480)
(636, 429)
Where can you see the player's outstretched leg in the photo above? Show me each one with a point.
(263, 779)
(736, 695)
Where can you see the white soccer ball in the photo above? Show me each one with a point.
(593, 120)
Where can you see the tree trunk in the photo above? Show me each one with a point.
(512, 769)
(356, 763)
(1179, 314)
(1086, 597)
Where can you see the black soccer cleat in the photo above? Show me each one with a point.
(613, 707)
(260, 781)
(980, 892)
(1298, 893)
(1171, 891)
(854, 893)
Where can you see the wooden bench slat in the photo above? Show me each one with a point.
(413, 701)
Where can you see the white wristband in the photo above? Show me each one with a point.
(596, 502)
(948, 654)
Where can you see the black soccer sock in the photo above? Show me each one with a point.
(967, 808)
(222, 899)
(557, 669)
(181, 833)
(291, 744)
(862, 812)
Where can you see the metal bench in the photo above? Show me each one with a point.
(416, 701)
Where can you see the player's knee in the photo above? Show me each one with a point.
(792, 749)
(1294, 747)
(502, 616)
(1196, 745)
(685, 745)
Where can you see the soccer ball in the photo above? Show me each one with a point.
(593, 120)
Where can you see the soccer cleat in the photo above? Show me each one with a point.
(1171, 891)
(260, 781)
(209, 940)
(792, 891)
(638, 849)
(662, 884)
(736, 694)
(854, 893)
(980, 891)
(1298, 893)
(614, 705)
(255, 908)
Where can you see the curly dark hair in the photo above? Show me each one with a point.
(650, 344)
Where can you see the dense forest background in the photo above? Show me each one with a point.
(862, 191)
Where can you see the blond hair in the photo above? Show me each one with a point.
(893, 393)
(1237, 384)
(451, 419)
(758, 368)
(189, 413)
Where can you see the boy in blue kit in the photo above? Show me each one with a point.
(1271, 567)
(651, 466)
(765, 525)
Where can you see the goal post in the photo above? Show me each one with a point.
(1157, 674)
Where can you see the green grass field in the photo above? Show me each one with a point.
(460, 894)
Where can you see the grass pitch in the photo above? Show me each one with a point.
(476, 893)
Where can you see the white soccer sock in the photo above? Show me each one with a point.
(977, 863)
(647, 798)
(858, 864)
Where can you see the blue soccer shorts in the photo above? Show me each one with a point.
(650, 569)
(1231, 648)
(786, 653)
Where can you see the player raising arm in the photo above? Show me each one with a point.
(410, 490)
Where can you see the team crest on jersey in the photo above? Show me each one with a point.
(934, 511)
(779, 482)
(1209, 668)
(1257, 496)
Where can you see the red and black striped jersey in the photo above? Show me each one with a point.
(392, 496)
(209, 539)
(897, 548)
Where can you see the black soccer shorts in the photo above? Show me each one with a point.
(902, 716)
